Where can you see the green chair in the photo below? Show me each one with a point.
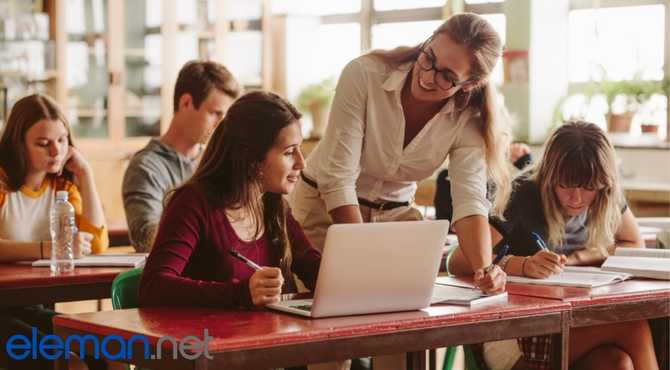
(469, 356)
(124, 289)
(124, 292)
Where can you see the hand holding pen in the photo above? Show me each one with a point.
(543, 263)
(492, 276)
(265, 284)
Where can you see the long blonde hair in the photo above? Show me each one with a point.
(477, 35)
(578, 154)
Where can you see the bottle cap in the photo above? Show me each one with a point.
(61, 195)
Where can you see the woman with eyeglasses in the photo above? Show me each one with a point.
(397, 116)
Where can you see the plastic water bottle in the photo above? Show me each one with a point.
(62, 234)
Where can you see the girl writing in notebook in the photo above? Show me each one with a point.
(234, 202)
(37, 158)
(572, 199)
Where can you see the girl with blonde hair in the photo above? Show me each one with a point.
(572, 199)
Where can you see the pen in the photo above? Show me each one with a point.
(502, 251)
(246, 261)
(539, 241)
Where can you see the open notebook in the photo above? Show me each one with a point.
(463, 296)
(575, 276)
(101, 260)
(640, 262)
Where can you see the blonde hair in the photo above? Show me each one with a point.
(578, 154)
(477, 35)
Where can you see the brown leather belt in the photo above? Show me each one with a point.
(379, 206)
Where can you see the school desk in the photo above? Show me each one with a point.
(118, 233)
(637, 299)
(265, 339)
(22, 285)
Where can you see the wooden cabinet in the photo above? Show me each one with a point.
(117, 62)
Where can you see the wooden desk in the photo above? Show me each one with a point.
(22, 285)
(639, 299)
(118, 233)
(264, 339)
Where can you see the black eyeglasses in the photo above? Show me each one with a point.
(443, 78)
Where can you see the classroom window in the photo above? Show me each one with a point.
(391, 35)
(316, 7)
(601, 47)
(618, 43)
(404, 4)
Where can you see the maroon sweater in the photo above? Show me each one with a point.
(190, 264)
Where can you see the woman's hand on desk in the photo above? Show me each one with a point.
(491, 281)
(82, 244)
(543, 264)
(265, 286)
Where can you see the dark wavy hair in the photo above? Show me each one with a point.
(228, 173)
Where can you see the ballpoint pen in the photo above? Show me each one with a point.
(246, 261)
(502, 251)
(539, 240)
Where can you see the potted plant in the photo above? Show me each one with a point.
(625, 98)
(315, 99)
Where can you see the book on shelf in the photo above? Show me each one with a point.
(103, 260)
(640, 262)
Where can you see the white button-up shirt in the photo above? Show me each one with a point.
(362, 154)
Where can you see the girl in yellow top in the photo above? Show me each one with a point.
(37, 157)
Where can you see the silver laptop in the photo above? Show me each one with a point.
(373, 268)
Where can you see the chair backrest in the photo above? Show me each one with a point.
(124, 289)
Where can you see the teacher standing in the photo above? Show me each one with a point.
(396, 117)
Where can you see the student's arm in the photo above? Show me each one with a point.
(475, 241)
(459, 265)
(306, 259)
(342, 145)
(143, 194)
(183, 225)
(627, 235)
(467, 170)
(349, 214)
(15, 251)
(85, 199)
(85, 182)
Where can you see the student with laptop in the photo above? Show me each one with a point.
(572, 199)
(234, 202)
(203, 92)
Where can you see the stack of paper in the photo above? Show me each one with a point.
(109, 260)
(640, 262)
(450, 290)
(582, 277)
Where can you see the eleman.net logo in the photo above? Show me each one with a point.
(111, 347)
